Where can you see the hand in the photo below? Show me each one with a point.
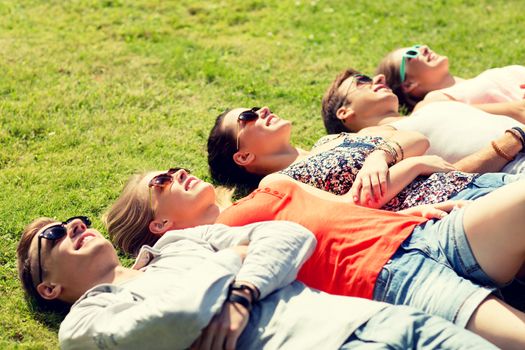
(224, 329)
(370, 184)
(432, 164)
(434, 211)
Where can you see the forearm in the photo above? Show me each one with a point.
(412, 143)
(513, 109)
(400, 176)
(276, 251)
(487, 159)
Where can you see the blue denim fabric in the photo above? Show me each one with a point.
(434, 270)
(484, 184)
(401, 327)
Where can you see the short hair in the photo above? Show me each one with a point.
(222, 146)
(390, 70)
(25, 272)
(128, 219)
(333, 100)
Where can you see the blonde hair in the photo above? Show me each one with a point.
(128, 219)
(25, 272)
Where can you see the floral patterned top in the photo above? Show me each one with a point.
(334, 171)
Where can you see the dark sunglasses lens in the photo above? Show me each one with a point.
(85, 220)
(255, 109)
(411, 53)
(173, 170)
(363, 79)
(55, 232)
(161, 180)
(248, 116)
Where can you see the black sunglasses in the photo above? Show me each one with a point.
(246, 116)
(360, 79)
(54, 233)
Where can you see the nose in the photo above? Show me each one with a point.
(180, 176)
(424, 49)
(264, 112)
(75, 228)
(379, 79)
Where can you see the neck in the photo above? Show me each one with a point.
(278, 161)
(447, 81)
(114, 275)
(384, 119)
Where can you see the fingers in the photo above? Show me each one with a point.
(376, 188)
(366, 192)
(231, 340)
(355, 190)
(434, 213)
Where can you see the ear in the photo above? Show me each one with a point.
(159, 227)
(49, 291)
(409, 86)
(243, 158)
(345, 114)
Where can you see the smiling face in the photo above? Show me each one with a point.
(71, 264)
(366, 102)
(427, 69)
(265, 135)
(185, 201)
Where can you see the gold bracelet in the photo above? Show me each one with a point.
(501, 152)
(388, 149)
(402, 153)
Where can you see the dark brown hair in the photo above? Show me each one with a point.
(333, 100)
(221, 148)
(25, 272)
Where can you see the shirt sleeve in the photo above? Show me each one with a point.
(172, 319)
(276, 251)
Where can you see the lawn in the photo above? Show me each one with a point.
(94, 91)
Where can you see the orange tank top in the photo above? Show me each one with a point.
(353, 242)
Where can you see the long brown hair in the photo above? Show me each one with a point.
(25, 272)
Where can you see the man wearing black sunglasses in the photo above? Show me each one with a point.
(204, 288)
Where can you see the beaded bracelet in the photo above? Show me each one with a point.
(501, 152)
(387, 148)
(400, 150)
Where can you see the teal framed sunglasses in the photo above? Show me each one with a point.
(411, 52)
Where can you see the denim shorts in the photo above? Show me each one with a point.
(484, 184)
(434, 270)
(401, 327)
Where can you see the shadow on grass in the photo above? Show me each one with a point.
(48, 318)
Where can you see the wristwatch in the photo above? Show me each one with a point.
(244, 287)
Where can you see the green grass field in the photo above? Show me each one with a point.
(94, 91)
